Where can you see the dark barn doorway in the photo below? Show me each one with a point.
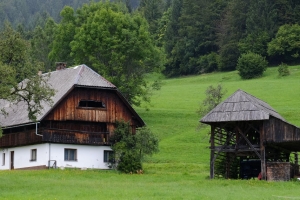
(250, 169)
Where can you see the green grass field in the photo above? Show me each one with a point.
(181, 169)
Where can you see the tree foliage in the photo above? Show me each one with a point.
(29, 13)
(188, 31)
(63, 36)
(42, 38)
(194, 34)
(251, 65)
(214, 95)
(260, 27)
(152, 11)
(286, 44)
(130, 149)
(19, 79)
(113, 42)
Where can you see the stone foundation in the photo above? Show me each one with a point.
(33, 168)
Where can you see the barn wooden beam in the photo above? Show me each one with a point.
(249, 124)
(221, 149)
(212, 152)
(273, 145)
(249, 143)
(263, 153)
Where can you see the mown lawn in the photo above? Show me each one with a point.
(180, 170)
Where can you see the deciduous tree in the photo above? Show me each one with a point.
(113, 42)
(19, 79)
(286, 45)
(214, 95)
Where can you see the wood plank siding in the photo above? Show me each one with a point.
(20, 139)
(114, 110)
(277, 130)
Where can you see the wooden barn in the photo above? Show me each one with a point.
(249, 139)
(74, 131)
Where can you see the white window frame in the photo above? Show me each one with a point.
(33, 155)
(106, 155)
(3, 159)
(68, 154)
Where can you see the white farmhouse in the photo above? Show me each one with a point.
(74, 131)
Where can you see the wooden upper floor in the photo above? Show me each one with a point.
(67, 132)
(93, 105)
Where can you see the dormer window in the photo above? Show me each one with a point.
(91, 104)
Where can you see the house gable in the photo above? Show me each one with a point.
(114, 108)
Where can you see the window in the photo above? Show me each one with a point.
(91, 104)
(108, 156)
(71, 154)
(33, 155)
(3, 159)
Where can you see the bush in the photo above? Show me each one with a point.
(130, 162)
(208, 63)
(130, 149)
(283, 70)
(251, 65)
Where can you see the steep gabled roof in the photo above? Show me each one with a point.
(241, 106)
(62, 81)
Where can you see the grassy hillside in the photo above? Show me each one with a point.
(173, 115)
(181, 169)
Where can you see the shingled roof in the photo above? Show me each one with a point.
(62, 81)
(241, 106)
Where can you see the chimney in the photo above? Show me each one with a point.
(60, 65)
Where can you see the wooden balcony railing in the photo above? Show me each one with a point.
(53, 136)
(72, 137)
(19, 139)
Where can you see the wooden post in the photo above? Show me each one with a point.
(227, 166)
(263, 154)
(212, 152)
(263, 163)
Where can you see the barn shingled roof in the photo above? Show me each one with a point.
(62, 81)
(241, 106)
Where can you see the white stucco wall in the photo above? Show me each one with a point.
(87, 156)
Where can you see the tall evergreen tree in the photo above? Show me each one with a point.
(231, 28)
(64, 34)
(152, 11)
(260, 27)
(196, 35)
(41, 43)
(170, 38)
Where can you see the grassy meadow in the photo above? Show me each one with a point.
(181, 169)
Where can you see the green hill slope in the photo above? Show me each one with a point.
(181, 169)
(183, 148)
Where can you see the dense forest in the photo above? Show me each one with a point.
(30, 13)
(125, 39)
